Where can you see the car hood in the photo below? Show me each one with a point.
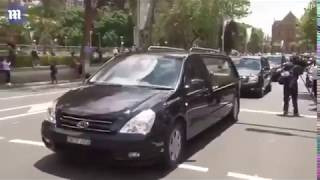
(105, 100)
(247, 72)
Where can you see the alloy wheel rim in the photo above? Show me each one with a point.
(175, 145)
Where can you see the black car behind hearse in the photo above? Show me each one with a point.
(255, 75)
(145, 106)
(276, 63)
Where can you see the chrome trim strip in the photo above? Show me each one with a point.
(223, 87)
(84, 119)
(89, 129)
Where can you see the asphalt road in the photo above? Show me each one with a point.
(261, 146)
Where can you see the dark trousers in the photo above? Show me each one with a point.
(7, 75)
(293, 93)
(53, 77)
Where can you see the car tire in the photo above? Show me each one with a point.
(260, 92)
(174, 146)
(269, 88)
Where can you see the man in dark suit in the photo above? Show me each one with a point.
(289, 80)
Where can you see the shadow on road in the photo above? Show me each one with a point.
(305, 96)
(276, 127)
(93, 168)
(278, 133)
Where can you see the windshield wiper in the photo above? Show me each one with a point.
(156, 87)
(105, 83)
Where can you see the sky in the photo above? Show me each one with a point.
(264, 12)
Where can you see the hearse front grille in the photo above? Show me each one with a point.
(68, 121)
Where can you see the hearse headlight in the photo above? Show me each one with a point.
(140, 124)
(253, 78)
(51, 112)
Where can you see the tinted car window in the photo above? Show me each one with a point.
(248, 63)
(265, 63)
(220, 70)
(195, 69)
(144, 70)
(217, 66)
(275, 60)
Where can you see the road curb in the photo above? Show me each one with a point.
(46, 84)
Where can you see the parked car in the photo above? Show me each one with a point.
(145, 106)
(255, 75)
(276, 62)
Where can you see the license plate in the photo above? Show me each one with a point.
(80, 141)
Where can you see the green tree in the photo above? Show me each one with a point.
(112, 25)
(308, 25)
(256, 41)
(70, 27)
(240, 41)
(196, 21)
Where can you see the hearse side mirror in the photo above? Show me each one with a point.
(195, 84)
(88, 75)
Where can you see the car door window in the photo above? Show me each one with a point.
(220, 70)
(195, 69)
(267, 63)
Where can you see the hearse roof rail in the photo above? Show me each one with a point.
(203, 50)
(164, 49)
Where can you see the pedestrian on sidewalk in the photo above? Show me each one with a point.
(289, 79)
(5, 66)
(12, 54)
(53, 72)
(35, 58)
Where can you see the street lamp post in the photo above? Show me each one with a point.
(122, 43)
(65, 41)
(99, 36)
(35, 44)
(90, 41)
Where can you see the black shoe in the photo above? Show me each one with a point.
(296, 115)
(285, 114)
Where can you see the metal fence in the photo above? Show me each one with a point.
(23, 49)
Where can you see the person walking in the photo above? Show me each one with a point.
(53, 72)
(5, 65)
(289, 79)
(35, 58)
(12, 54)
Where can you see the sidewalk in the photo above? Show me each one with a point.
(25, 76)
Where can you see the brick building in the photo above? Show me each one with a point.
(285, 31)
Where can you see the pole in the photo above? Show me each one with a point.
(99, 36)
(90, 41)
(222, 36)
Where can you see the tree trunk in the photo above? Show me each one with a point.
(85, 53)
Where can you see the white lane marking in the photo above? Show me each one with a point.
(32, 95)
(39, 107)
(26, 106)
(21, 115)
(274, 113)
(194, 168)
(20, 141)
(1, 138)
(246, 176)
